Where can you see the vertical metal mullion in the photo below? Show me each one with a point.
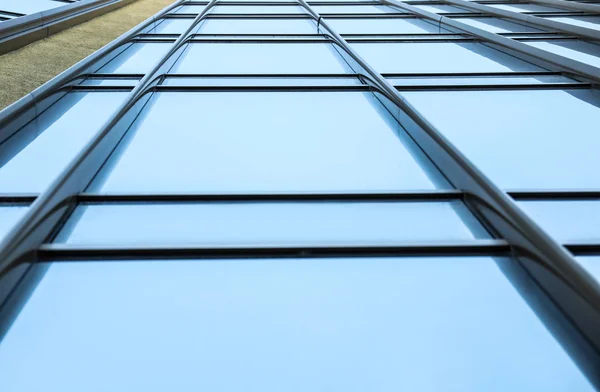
(571, 288)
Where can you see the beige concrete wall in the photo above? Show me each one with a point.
(25, 69)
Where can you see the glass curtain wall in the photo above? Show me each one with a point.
(263, 215)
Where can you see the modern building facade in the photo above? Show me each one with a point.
(321, 196)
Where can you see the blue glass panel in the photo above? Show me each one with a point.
(438, 57)
(267, 142)
(384, 324)
(137, 58)
(9, 216)
(171, 26)
(442, 9)
(498, 26)
(257, 9)
(589, 22)
(190, 9)
(355, 9)
(46, 146)
(567, 221)
(383, 26)
(29, 6)
(271, 224)
(577, 50)
(262, 81)
(527, 8)
(591, 265)
(260, 58)
(476, 80)
(521, 139)
(258, 26)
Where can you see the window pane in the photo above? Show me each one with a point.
(256, 9)
(260, 58)
(9, 216)
(567, 221)
(261, 81)
(590, 22)
(355, 9)
(190, 9)
(127, 82)
(271, 224)
(47, 145)
(591, 265)
(521, 139)
(442, 9)
(402, 324)
(171, 26)
(576, 50)
(258, 26)
(29, 6)
(477, 80)
(137, 58)
(267, 142)
(439, 57)
(527, 8)
(498, 26)
(383, 26)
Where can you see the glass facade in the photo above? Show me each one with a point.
(331, 195)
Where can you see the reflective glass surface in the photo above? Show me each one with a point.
(9, 216)
(271, 224)
(591, 265)
(413, 324)
(258, 26)
(498, 26)
(590, 22)
(190, 9)
(442, 9)
(576, 50)
(54, 139)
(137, 58)
(526, 8)
(256, 9)
(354, 9)
(264, 142)
(477, 80)
(171, 26)
(383, 26)
(262, 81)
(29, 6)
(260, 58)
(438, 57)
(521, 139)
(567, 221)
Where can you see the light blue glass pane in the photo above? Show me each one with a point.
(576, 50)
(171, 26)
(521, 139)
(258, 26)
(271, 224)
(257, 9)
(383, 26)
(29, 6)
(527, 8)
(566, 221)
(438, 57)
(355, 9)
(260, 58)
(9, 216)
(265, 142)
(190, 9)
(130, 82)
(57, 136)
(136, 59)
(477, 80)
(380, 324)
(590, 22)
(497, 26)
(591, 265)
(261, 81)
(442, 9)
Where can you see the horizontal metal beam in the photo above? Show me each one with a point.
(571, 5)
(60, 252)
